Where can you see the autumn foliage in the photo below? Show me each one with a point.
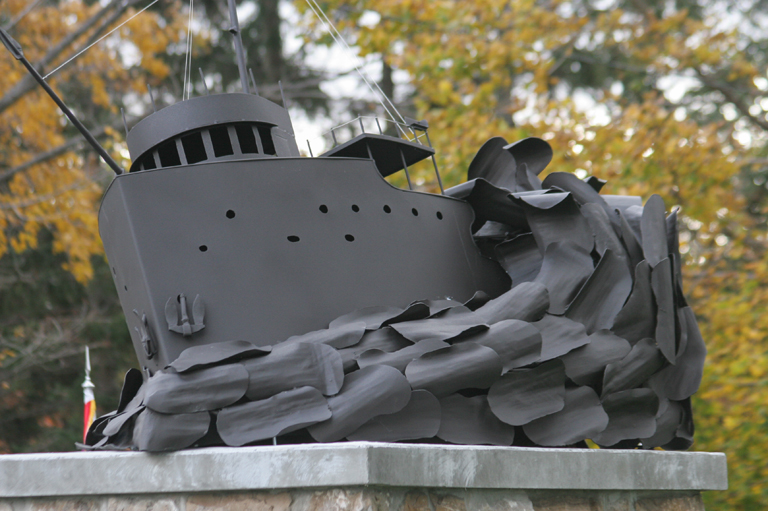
(595, 82)
(61, 193)
(654, 97)
(50, 187)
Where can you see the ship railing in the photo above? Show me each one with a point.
(413, 131)
(383, 127)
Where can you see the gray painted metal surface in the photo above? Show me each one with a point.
(204, 111)
(357, 464)
(273, 247)
(280, 247)
(275, 265)
(390, 154)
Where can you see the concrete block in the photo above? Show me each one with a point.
(142, 504)
(260, 501)
(560, 501)
(340, 500)
(494, 500)
(374, 499)
(417, 501)
(670, 503)
(68, 504)
(448, 503)
(617, 501)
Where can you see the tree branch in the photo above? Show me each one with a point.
(38, 199)
(28, 83)
(53, 340)
(43, 157)
(21, 15)
(67, 146)
(730, 95)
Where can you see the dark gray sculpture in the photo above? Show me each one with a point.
(278, 298)
(579, 347)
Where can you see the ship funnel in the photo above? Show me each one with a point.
(210, 128)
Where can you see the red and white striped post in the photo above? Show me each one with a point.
(88, 398)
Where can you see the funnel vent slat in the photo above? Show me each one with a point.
(227, 141)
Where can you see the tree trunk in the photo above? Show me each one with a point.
(270, 40)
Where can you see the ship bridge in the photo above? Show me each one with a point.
(212, 128)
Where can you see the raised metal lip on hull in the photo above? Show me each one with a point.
(281, 246)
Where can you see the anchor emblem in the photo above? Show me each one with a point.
(146, 340)
(184, 328)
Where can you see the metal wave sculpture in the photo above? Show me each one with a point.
(330, 305)
(593, 340)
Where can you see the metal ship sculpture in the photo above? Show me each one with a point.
(279, 298)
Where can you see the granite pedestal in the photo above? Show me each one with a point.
(362, 476)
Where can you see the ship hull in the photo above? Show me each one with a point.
(279, 247)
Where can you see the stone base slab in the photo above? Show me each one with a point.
(361, 476)
(354, 464)
(373, 499)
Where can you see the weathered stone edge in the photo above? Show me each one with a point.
(539, 468)
(356, 464)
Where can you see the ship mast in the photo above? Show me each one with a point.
(235, 31)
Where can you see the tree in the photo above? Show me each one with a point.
(56, 292)
(44, 182)
(48, 317)
(50, 187)
(655, 97)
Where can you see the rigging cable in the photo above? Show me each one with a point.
(339, 39)
(100, 39)
(188, 56)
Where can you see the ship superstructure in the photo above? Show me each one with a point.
(220, 209)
